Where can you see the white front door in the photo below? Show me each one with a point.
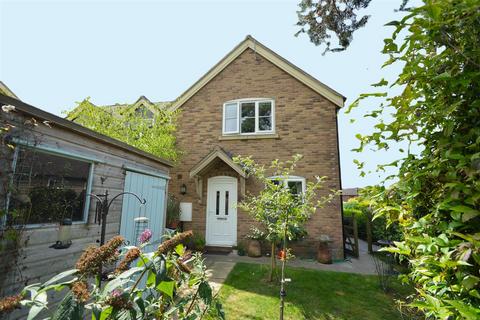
(221, 211)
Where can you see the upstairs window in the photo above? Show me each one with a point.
(252, 116)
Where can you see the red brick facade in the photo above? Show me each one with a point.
(305, 123)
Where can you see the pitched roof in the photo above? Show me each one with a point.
(6, 91)
(249, 42)
(217, 152)
(141, 101)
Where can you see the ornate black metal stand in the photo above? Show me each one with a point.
(103, 206)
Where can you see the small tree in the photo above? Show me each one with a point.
(278, 210)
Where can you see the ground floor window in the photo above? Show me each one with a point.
(47, 187)
(294, 183)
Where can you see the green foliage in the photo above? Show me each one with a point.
(312, 295)
(359, 207)
(173, 210)
(437, 198)
(322, 19)
(155, 135)
(275, 207)
(158, 285)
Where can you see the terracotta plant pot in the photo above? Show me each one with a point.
(173, 224)
(324, 255)
(254, 249)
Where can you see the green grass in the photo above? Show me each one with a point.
(312, 294)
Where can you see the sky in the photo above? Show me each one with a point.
(56, 53)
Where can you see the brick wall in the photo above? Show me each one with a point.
(305, 123)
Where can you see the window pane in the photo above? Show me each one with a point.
(265, 123)
(54, 186)
(248, 125)
(231, 125)
(265, 109)
(217, 206)
(231, 111)
(295, 187)
(248, 109)
(226, 203)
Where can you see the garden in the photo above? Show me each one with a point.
(429, 209)
(312, 294)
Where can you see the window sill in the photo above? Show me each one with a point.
(249, 136)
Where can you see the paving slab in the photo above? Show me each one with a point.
(217, 272)
(362, 265)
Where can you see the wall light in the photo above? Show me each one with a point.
(183, 189)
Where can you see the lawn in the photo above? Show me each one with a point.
(312, 294)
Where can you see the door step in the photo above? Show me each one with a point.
(218, 250)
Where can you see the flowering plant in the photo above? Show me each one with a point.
(163, 284)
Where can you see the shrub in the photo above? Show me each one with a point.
(380, 231)
(164, 284)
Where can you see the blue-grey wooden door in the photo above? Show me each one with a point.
(151, 215)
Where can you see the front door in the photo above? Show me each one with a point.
(221, 211)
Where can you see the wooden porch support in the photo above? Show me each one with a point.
(199, 188)
(242, 187)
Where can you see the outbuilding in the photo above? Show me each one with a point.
(53, 173)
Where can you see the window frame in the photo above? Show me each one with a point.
(62, 154)
(291, 179)
(238, 104)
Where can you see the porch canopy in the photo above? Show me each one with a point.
(209, 162)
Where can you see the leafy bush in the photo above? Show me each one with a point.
(380, 229)
(160, 285)
(434, 105)
(173, 211)
(131, 127)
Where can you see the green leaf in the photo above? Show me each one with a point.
(39, 303)
(470, 281)
(205, 292)
(60, 276)
(467, 311)
(381, 83)
(69, 309)
(167, 287)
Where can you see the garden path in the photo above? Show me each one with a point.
(220, 265)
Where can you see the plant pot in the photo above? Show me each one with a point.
(173, 225)
(254, 249)
(324, 255)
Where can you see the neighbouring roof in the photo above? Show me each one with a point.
(350, 192)
(249, 42)
(6, 91)
(142, 101)
(76, 128)
(219, 153)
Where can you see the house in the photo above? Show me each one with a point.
(255, 103)
(53, 170)
(252, 103)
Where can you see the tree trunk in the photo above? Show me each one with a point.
(272, 263)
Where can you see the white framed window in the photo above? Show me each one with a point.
(296, 184)
(249, 116)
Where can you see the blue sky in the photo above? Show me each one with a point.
(54, 53)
